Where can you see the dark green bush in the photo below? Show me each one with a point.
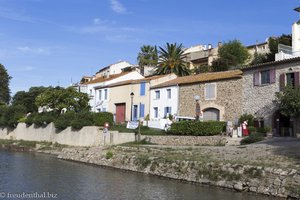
(10, 115)
(264, 130)
(102, 117)
(255, 137)
(64, 120)
(43, 119)
(82, 119)
(30, 118)
(197, 128)
(251, 129)
(248, 118)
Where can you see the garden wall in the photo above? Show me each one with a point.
(87, 136)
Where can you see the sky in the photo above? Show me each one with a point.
(56, 42)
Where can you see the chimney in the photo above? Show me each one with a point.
(209, 46)
(219, 44)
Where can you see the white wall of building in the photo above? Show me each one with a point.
(158, 105)
(114, 69)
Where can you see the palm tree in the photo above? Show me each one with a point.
(147, 56)
(171, 60)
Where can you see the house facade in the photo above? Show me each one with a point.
(115, 68)
(130, 100)
(220, 96)
(260, 84)
(98, 92)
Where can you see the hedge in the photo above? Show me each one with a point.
(197, 128)
(73, 119)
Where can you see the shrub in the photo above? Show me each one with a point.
(11, 114)
(64, 120)
(251, 129)
(82, 119)
(43, 119)
(30, 118)
(109, 155)
(255, 137)
(247, 117)
(264, 130)
(100, 118)
(197, 128)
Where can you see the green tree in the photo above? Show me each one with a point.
(147, 56)
(231, 54)
(289, 101)
(59, 98)
(171, 60)
(4, 85)
(273, 45)
(259, 58)
(201, 69)
(27, 99)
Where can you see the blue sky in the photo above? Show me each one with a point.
(51, 42)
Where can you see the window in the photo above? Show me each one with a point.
(100, 94)
(168, 111)
(103, 109)
(142, 110)
(169, 94)
(105, 94)
(289, 78)
(210, 92)
(155, 112)
(157, 94)
(265, 77)
(135, 112)
(91, 92)
(142, 88)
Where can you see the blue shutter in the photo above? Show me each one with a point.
(170, 110)
(142, 88)
(142, 110)
(166, 111)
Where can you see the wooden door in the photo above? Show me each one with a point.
(120, 113)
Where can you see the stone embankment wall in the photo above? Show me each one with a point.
(263, 180)
(87, 136)
(187, 140)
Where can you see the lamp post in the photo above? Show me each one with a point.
(197, 109)
(131, 96)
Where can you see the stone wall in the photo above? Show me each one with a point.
(228, 99)
(186, 140)
(259, 100)
(263, 180)
(87, 136)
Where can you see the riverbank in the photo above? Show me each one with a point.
(270, 168)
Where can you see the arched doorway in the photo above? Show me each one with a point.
(211, 114)
(282, 124)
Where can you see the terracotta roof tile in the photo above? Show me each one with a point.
(103, 79)
(204, 77)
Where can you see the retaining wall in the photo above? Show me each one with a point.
(87, 136)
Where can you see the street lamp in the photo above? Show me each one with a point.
(131, 96)
(197, 109)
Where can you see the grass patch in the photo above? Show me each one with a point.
(109, 155)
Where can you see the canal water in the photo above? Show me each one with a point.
(38, 176)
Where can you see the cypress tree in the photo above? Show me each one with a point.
(4, 85)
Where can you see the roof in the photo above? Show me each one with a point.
(204, 77)
(128, 82)
(103, 79)
(105, 68)
(259, 44)
(285, 61)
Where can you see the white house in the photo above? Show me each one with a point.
(163, 102)
(99, 94)
(112, 69)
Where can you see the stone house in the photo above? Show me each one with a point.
(260, 84)
(220, 94)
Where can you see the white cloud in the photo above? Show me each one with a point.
(39, 50)
(15, 15)
(117, 7)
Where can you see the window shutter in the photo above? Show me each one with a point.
(166, 110)
(296, 76)
(282, 81)
(142, 88)
(256, 79)
(272, 76)
(142, 110)
(170, 110)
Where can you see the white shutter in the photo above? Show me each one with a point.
(210, 91)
